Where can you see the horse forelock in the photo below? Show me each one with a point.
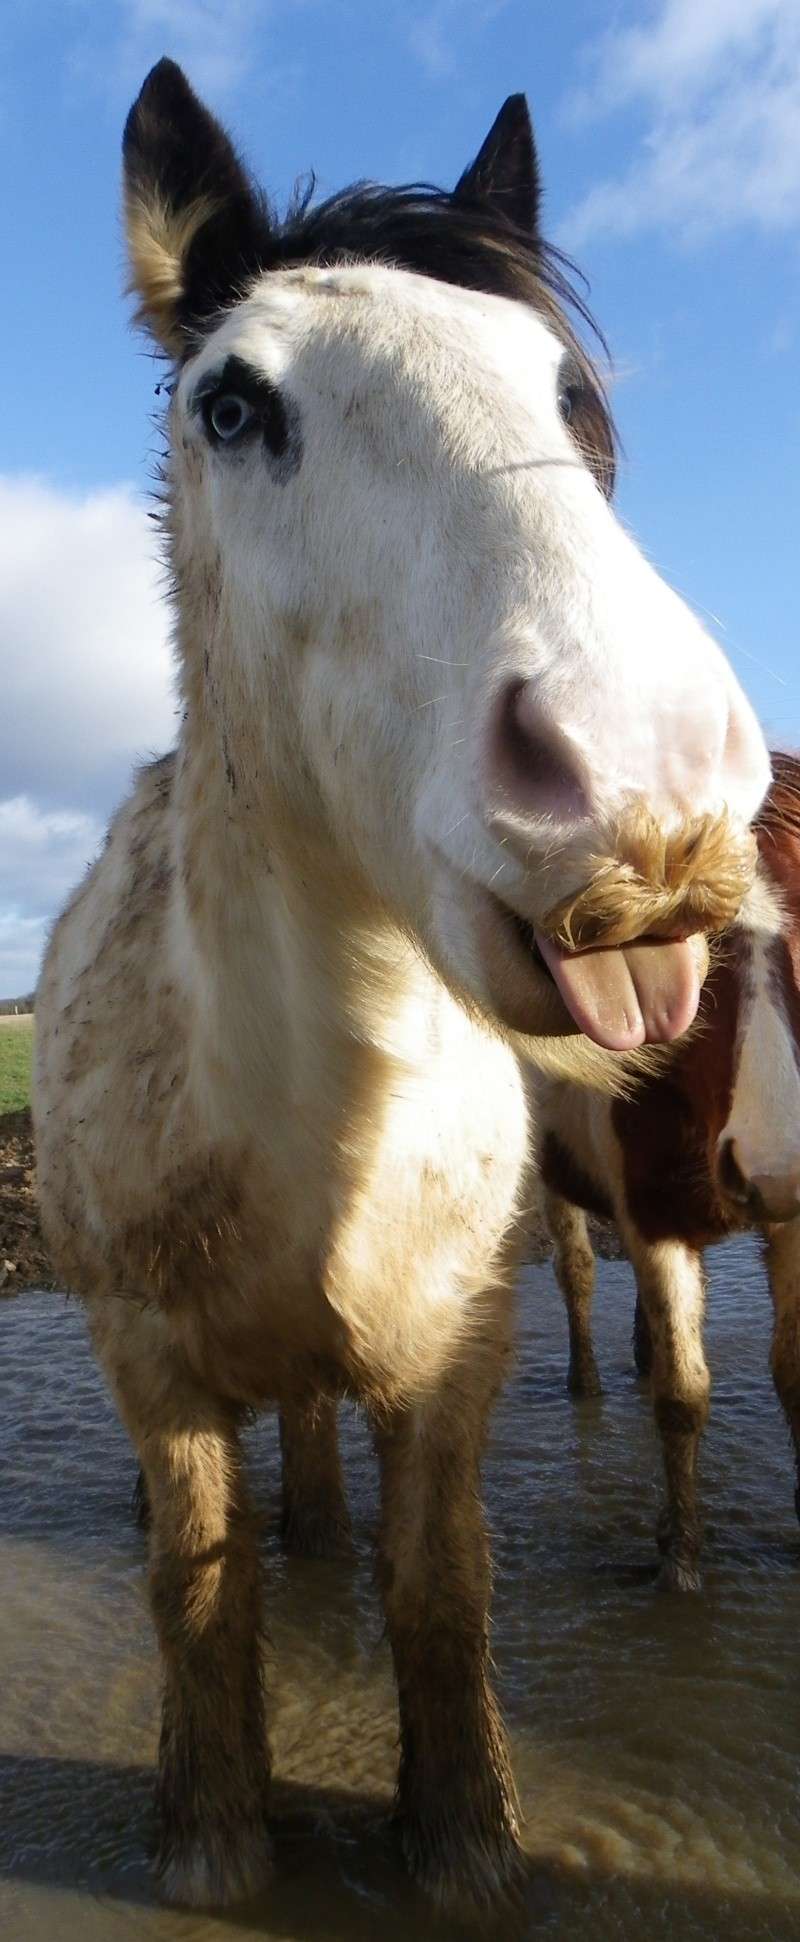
(472, 246)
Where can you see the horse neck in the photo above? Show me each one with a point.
(302, 983)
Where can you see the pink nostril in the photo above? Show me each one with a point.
(533, 767)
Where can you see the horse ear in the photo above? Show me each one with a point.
(195, 224)
(505, 172)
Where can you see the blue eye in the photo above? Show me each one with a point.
(242, 411)
(568, 397)
(228, 416)
(571, 389)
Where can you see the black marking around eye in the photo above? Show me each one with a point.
(276, 420)
(571, 388)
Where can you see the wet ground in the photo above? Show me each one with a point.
(656, 1740)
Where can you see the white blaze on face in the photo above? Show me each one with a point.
(434, 606)
(764, 1120)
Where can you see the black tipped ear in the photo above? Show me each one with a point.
(505, 173)
(196, 227)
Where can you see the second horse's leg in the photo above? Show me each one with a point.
(672, 1291)
(642, 1340)
(783, 1267)
(575, 1271)
(315, 1521)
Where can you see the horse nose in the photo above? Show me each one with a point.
(699, 761)
(534, 767)
(767, 1196)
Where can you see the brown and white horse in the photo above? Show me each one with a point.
(707, 1148)
(281, 1117)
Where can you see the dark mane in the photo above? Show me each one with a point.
(427, 230)
(780, 810)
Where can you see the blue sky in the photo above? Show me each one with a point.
(669, 138)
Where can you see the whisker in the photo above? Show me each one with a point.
(758, 663)
(706, 613)
(496, 873)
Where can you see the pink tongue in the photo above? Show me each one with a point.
(636, 994)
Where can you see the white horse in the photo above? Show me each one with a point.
(440, 719)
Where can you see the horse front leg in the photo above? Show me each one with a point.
(672, 1292)
(213, 1773)
(455, 1798)
(783, 1269)
(315, 1521)
(575, 1272)
(642, 1339)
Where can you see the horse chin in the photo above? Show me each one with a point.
(521, 990)
(621, 996)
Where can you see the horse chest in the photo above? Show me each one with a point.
(365, 1269)
(668, 1185)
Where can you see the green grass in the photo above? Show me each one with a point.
(16, 1059)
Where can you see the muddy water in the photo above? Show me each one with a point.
(656, 1741)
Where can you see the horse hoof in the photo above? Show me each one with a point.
(320, 1537)
(466, 1879)
(217, 1874)
(584, 1380)
(679, 1574)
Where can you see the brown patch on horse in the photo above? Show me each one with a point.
(777, 828)
(669, 1129)
(176, 1250)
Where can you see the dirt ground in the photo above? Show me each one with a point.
(23, 1256)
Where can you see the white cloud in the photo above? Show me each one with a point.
(43, 853)
(22, 941)
(86, 690)
(437, 36)
(42, 856)
(719, 87)
(84, 630)
(214, 40)
(211, 38)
